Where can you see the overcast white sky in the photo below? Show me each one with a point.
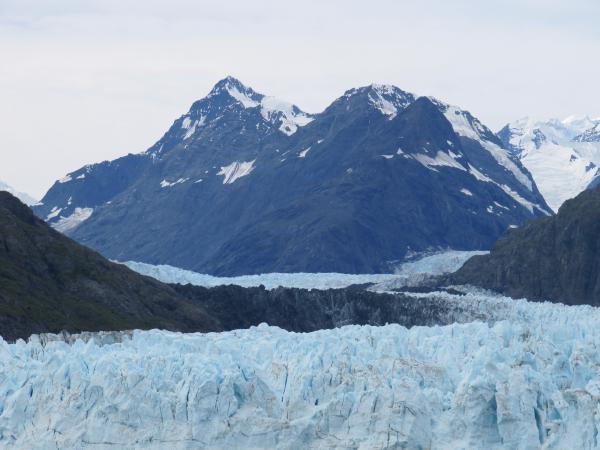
(87, 80)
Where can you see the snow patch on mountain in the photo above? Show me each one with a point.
(168, 184)
(242, 97)
(191, 125)
(385, 106)
(273, 109)
(464, 124)
(387, 99)
(441, 159)
(287, 116)
(54, 212)
(72, 221)
(236, 170)
(303, 153)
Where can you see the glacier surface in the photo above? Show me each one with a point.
(510, 375)
(408, 273)
(525, 378)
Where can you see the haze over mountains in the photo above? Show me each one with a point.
(244, 183)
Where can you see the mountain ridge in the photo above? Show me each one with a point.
(247, 192)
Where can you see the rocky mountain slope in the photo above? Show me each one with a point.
(49, 283)
(562, 155)
(554, 258)
(244, 184)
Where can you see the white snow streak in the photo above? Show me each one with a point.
(236, 170)
(71, 222)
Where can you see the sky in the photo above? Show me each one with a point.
(83, 81)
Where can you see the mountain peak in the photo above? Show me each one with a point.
(236, 90)
(227, 83)
(389, 100)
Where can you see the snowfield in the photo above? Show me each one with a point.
(525, 383)
(408, 273)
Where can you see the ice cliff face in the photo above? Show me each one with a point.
(527, 382)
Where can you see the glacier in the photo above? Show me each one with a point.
(509, 374)
(525, 379)
(410, 272)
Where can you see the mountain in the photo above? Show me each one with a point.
(244, 183)
(553, 258)
(562, 155)
(590, 135)
(25, 198)
(49, 283)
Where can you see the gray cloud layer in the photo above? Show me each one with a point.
(84, 81)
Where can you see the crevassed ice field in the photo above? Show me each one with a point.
(513, 374)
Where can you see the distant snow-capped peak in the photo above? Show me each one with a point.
(562, 155)
(526, 133)
(25, 198)
(231, 97)
(590, 135)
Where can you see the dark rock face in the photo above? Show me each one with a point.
(241, 184)
(49, 283)
(303, 310)
(554, 258)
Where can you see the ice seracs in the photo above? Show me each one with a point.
(526, 379)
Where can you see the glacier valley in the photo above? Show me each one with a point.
(513, 375)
